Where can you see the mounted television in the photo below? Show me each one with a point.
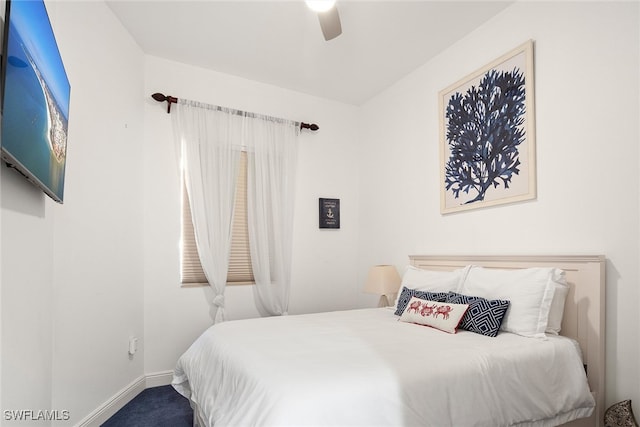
(35, 98)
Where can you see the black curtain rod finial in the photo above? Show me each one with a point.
(314, 127)
(161, 98)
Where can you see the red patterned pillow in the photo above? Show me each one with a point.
(440, 315)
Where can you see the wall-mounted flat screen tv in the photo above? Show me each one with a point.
(35, 98)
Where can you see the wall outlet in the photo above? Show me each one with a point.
(133, 345)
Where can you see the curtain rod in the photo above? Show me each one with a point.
(172, 100)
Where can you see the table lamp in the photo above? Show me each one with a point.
(382, 280)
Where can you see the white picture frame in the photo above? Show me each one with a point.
(487, 135)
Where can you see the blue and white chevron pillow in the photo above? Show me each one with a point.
(407, 293)
(483, 316)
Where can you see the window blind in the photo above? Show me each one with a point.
(240, 271)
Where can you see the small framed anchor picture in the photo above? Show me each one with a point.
(329, 213)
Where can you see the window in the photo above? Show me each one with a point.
(240, 271)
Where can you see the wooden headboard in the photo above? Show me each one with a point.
(584, 308)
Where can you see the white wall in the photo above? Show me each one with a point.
(27, 291)
(72, 274)
(587, 86)
(324, 276)
(99, 253)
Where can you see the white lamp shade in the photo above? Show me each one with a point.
(382, 280)
(320, 5)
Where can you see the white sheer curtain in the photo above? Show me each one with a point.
(271, 171)
(210, 139)
(207, 139)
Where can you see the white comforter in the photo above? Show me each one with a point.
(363, 367)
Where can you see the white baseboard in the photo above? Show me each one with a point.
(158, 379)
(124, 396)
(113, 405)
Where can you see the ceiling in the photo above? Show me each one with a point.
(280, 42)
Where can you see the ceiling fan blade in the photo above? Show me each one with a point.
(330, 23)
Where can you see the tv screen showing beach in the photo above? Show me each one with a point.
(35, 109)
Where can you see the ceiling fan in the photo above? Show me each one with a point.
(328, 16)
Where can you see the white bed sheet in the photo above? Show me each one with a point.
(363, 367)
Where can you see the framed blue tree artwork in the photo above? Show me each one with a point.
(487, 135)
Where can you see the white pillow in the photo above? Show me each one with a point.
(556, 311)
(529, 292)
(432, 280)
(445, 316)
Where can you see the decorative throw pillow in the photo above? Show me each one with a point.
(483, 316)
(440, 315)
(432, 280)
(406, 295)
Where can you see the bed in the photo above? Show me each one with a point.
(370, 367)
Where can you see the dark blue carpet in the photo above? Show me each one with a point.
(154, 407)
